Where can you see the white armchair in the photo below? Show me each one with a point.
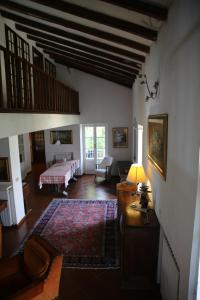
(102, 169)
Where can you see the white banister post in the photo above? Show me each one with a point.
(16, 178)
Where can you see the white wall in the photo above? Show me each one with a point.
(15, 124)
(16, 178)
(51, 149)
(104, 102)
(9, 147)
(26, 165)
(4, 148)
(174, 60)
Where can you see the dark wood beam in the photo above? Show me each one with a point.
(81, 55)
(67, 50)
(94, 67)
(80, 39)
(69, 24)
(98, 73)
(36, 34)
(145, 8)
(85, 51)
(87, 62)
(101, 18)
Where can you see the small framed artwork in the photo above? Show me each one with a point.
(4, 169)
(61, 137)
(120, 137)
(157, 142)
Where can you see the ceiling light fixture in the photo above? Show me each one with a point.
(152, 94)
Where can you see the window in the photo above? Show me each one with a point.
(100, 142)
(95, 141)
(50, 68)
(95, 144)
(89, 142)
(16, 44)
(18, 72)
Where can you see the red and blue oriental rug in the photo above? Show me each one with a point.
(85, 231)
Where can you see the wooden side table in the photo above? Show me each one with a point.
(139, 243)
(126, 192)
(125, 187)
(3, 205)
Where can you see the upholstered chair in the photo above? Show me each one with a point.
(35, 274)
(102, 169)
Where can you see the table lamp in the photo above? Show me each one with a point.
(136, 174)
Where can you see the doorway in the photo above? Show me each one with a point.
(94, 146)
(37, 147)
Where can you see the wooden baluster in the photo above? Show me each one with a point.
(50, 92)
(24, 80)
(30, 86)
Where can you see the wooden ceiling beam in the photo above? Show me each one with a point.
(81, 39)
(36, 34)
(81, 55)
(99, 17)
(94, 67)
(98, 73)
(66, 51)
(86, 61)
(145, 8)
(76, 26)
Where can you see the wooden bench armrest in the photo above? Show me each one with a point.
(10, 265)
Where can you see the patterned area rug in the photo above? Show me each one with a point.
(85, 231)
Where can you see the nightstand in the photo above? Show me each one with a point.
(139, 243)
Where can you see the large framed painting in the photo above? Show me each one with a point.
(157, 142)
(61, 137)
(4, 169)
(120, 137)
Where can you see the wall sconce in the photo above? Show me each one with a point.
(152, 94)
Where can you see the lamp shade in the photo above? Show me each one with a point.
(136, 174)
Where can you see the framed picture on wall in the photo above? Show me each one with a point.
(4, 169)
(157, 142)
(120, 137)
(61, 137)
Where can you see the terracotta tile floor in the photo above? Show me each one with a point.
(75, 284)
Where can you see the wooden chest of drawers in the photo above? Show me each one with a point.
(139, 243)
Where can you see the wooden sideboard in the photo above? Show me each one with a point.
(139, 242)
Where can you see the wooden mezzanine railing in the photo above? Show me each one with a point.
(27, 89)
